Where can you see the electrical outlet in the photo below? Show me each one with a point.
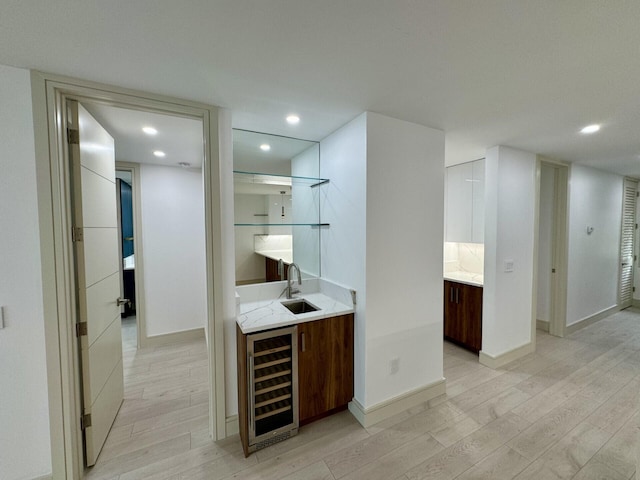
(508, 266)
(394, 365)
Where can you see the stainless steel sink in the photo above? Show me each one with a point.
(300, 306)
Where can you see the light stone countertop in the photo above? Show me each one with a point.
(267, 314)
(285, 255)
(469, 278)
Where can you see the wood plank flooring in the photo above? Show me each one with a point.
(570, 410)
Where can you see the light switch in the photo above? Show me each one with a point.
(508, 266)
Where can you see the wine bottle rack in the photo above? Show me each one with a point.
(273, 397)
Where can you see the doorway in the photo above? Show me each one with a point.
(552, 248)
(51, 94)
(627, 243)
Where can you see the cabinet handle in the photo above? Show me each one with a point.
(451, 294)
(302, 342)
(252, 397)
(457, 295)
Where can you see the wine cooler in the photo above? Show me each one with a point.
(272, 373)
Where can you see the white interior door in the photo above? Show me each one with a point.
(627, 243)
(97, 274)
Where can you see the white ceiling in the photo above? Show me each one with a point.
(523, 73)
(179, 137)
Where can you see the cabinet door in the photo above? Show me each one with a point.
(459, 198)
(450, 311)
(477, 214)
(472, 306)
(325, 366)
(314, 360)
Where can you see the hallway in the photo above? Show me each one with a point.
(567, 411)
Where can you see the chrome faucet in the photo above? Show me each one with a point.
(292, 291)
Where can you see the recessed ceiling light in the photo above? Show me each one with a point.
(293, 119)
(265, 147)
(590, 129)
(159, 153)
(149, 130)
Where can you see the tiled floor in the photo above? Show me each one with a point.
(568, 411)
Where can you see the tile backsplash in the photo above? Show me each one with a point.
(464, 257)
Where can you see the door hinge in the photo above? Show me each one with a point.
(637, 194)
(81, 329)
(553, 270)
(73, 136)
(85, 421)
(633, 289)
(77, 235)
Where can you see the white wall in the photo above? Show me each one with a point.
(343, 205)
(595, 199)
(405, 222)
(173, 239)
(386, 243)
(545, 241)
(510, 197)
(25, 446)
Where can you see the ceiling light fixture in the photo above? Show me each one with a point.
(150, 130)
(159, 153)
(265, 147)
(293, 119)
(590, 129)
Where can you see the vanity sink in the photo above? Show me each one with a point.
(300, 306)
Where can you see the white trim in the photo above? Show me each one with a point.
(585, 322)
(383, 410)
(49, 93)
(43, 477)
(501, 360)
(233, 425)
(542, 325)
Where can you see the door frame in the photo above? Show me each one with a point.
(49, 95)
(558, 320)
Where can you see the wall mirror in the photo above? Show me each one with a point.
(276, 205)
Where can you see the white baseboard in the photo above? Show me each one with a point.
(169, 338)
(585, 322)
(377, 413)
(498, 361)
(232, 425)
(542, 325)
(43, 477)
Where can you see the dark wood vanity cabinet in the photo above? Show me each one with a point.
(271, 270)
(463, 315)
(325, 366)
(322, 381)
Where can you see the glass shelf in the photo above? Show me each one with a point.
(281, 224)
(284, 180)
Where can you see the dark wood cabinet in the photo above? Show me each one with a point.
(323, 377)
(463, 315)
(271, 270)
(325, 366)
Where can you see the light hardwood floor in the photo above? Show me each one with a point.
(567, 411)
